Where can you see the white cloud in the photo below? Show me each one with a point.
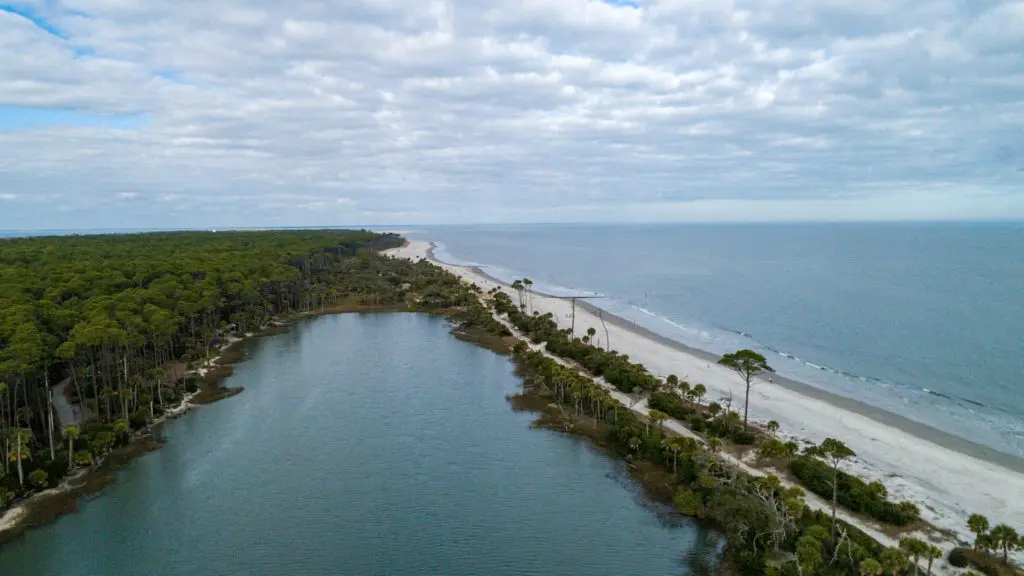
(312, 112)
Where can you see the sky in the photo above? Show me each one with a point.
(199, 113)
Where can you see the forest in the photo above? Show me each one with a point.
(114, 326)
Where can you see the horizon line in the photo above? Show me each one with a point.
(469, 224)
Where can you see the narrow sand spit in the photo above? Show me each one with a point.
(947, 478)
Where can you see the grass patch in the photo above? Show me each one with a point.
(232, 354)
(272, 331)
(211, 389)
(480, 337)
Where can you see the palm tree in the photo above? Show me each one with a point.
(591, 332)
(698, 392)
(674, 446)
(19, 450)
(683, 389)
(773, 427)
(977, 524)
(528, 285)
(121, 428)
(657, 417)
(933, 553)
(870, 567)
(986, 543)
(1005, 539)
(914, 548)
(71, 432)
(893, 560)
(518, 287)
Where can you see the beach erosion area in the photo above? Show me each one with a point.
(948, 477)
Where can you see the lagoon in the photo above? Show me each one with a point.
(367, 444)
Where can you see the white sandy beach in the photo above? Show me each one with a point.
(947, 485)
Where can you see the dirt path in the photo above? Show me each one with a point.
(67, 413)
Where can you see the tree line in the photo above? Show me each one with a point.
(122, 320)
(768, 527)
(118, 321)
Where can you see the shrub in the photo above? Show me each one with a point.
(670, 404)
(729, 427)
(38, 478)
(982, 561)
(958, 557)
(743, 437)
(689, 503)
(697, 423)
(852, 492)
(83, 458)
(772, 448)
(139, 419)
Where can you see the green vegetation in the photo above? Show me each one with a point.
(122, 321)
(768, 527)
(126, 320)
(991, 550)
(851, 492)
(680, 401)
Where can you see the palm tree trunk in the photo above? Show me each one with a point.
(49, 405)
(21, 471)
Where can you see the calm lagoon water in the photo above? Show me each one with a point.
(367, 445)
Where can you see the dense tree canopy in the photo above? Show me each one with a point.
(121, 316)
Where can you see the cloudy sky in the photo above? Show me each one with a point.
(157, 113)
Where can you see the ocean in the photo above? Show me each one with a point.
(923, 320)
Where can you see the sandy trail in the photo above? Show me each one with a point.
(947, 484)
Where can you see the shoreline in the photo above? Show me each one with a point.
(913, 427)
(947, 477)
(20, 518)
(917, 429)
